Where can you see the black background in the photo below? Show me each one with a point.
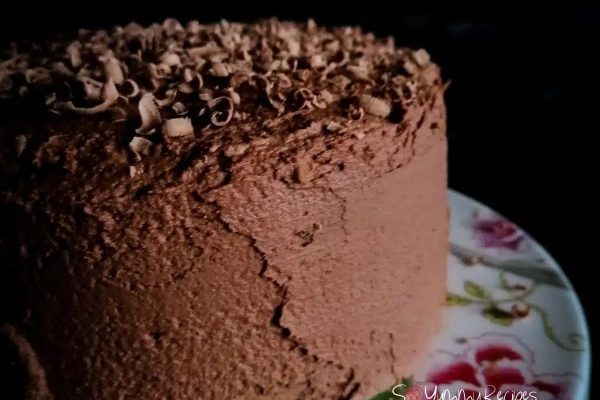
(522, 105)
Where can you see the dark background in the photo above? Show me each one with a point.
(522, 105)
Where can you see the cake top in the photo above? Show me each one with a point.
(162, 87)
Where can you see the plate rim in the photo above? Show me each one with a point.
(582, 390)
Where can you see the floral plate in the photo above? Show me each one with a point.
(513, 327)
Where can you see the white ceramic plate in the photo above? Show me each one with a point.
(512, 324)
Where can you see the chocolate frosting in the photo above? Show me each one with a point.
(221, 211)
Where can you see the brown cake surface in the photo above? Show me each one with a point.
(227, 211)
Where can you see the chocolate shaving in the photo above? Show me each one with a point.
(205, 95)
(109, 91)
(37, 76)
(69, 106)
(193, 80)
(317, 61)
(333, 126)
(222, 110)
(283, 81)
(303, 75)
(61, 69)
(411, 67)
(149, 114)
(355, 113)
(406, 91)
(179, 108)
(203, 51)
(113, 70)
(92, 88)
(22, 91)
(170, 59)
(276, 104)
(293, 47)
(188, 75)
(261, 83)
(235, 97)
(20, 144)
(421, 57)
(177, 127)
(139, 146)
(185, 88)
(74, 53)
(50, 99)
(318, 102)
(158, 72)
(134, 171)
(171, 26)
(130, 89)
(109, 94)
(220, 70)
(359, 73)
(303, 99)
(216, 73)
(170, 97)
(326, 96)
(340, 82)
(375, 106)
(6, 84)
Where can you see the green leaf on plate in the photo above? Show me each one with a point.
(475, 290)
(498, 316)
(453, 299)
(407, 382)
(388, 395)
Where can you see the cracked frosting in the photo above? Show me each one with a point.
(248, 211)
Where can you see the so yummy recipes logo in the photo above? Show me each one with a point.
(432, 392)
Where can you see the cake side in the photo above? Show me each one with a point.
(151, 260)
(358, 247)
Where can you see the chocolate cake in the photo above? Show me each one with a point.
(226, 211)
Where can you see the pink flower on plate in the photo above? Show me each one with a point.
(492, 364)
(496, 231)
